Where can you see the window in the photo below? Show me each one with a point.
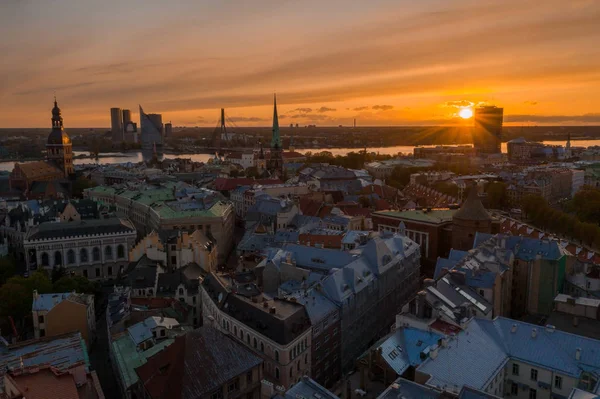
(291, 371)
(306, 359)
(235, 330)
(173, 260)
(83, 255)
(277, 372)
(262, 347)
(85, 274)
(97, 272)
(194, 299)
(41, 319)
(108, 252)
(326, 338)
(181, 291)
(249, 377)
(42, 332)
(317, 345)
(96, 254)
(515, 369)
(558, 382)
(109, 271)
(481, 293)
(45, 261)
(335, 331)
(248, 339)
(162, 333)
(276, 356)
(120, 251)
(70, 257)
(532, 393)
(217, 395)
(255, 343)
(533, 375)
(234, 386)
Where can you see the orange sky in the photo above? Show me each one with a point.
(384, 62)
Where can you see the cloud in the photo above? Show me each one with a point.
(247, 119)
(364, 108)
(458, 104)
(531, 102)
(326, 109)
(382, 107)
(585, 118)
(302, 110)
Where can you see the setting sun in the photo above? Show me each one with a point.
(465, 113)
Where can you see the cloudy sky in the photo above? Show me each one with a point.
(384, 62)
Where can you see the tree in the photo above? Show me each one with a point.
(497, 196)
(78, 284)
(15, 301)
(252, 171)
(80, 185)
(234, 173)
(7, 268)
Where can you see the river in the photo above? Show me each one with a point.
(134, 157)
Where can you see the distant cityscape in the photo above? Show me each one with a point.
(265, 271)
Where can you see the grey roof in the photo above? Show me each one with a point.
(144, 274)
(472, 393)
(476, 354)
(196, 364)
(472, 208)
(80, 229)
(309, 388)
(405, 389)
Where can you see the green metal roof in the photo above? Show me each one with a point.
(434, 216)
(128, 358)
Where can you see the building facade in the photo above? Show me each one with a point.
(95, 249)
(152, 131)
(487, 131)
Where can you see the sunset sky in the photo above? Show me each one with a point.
(384, 62)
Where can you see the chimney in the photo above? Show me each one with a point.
(35, 294)
(578, 354)
(433, 352)
(444, 271)
(444, 342)
(429, 282)
(421, 304)
(458, 276)
(513, 328)
(550, 328)
(575, 321)
(533, 332)
(272, 310)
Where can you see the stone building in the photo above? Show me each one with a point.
(58, 165)
(95, 249)
(173, 206)
(470, 219)
(278, 330)
(62, 313)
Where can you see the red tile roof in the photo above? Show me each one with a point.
(46, 384)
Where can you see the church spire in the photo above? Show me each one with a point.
(275, 138)
(57, 120)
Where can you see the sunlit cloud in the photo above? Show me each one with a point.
(326, 109)
(382, 107)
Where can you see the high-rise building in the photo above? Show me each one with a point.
(126, 117)
(116, 125)
(152, 131)
(168, 129)
(276, 158)
(487, 131)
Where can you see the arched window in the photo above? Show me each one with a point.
(241, 334)
(248, 338)
(96, 254)
(45, 260)
(83, 255)
(262, 347)
(306, 359)
(120, 251)
(277, 372)
(57, 258)
(255, 343)
(70, 257)
(234, 330)
(108, 252)
(291, 371)
(224, 324)
(276, 356)
(181, 291)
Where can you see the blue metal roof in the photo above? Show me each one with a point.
(475, 354)
(403, 348)
(308, 388)
(406, 389)
(63, 353)
(48, 301)
(443, 263)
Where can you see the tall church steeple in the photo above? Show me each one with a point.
(59, 147)
(275, 138)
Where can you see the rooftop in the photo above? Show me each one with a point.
(196, 364)
(308, 388)
(49, 230)
(474, 356)
(434, 216)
